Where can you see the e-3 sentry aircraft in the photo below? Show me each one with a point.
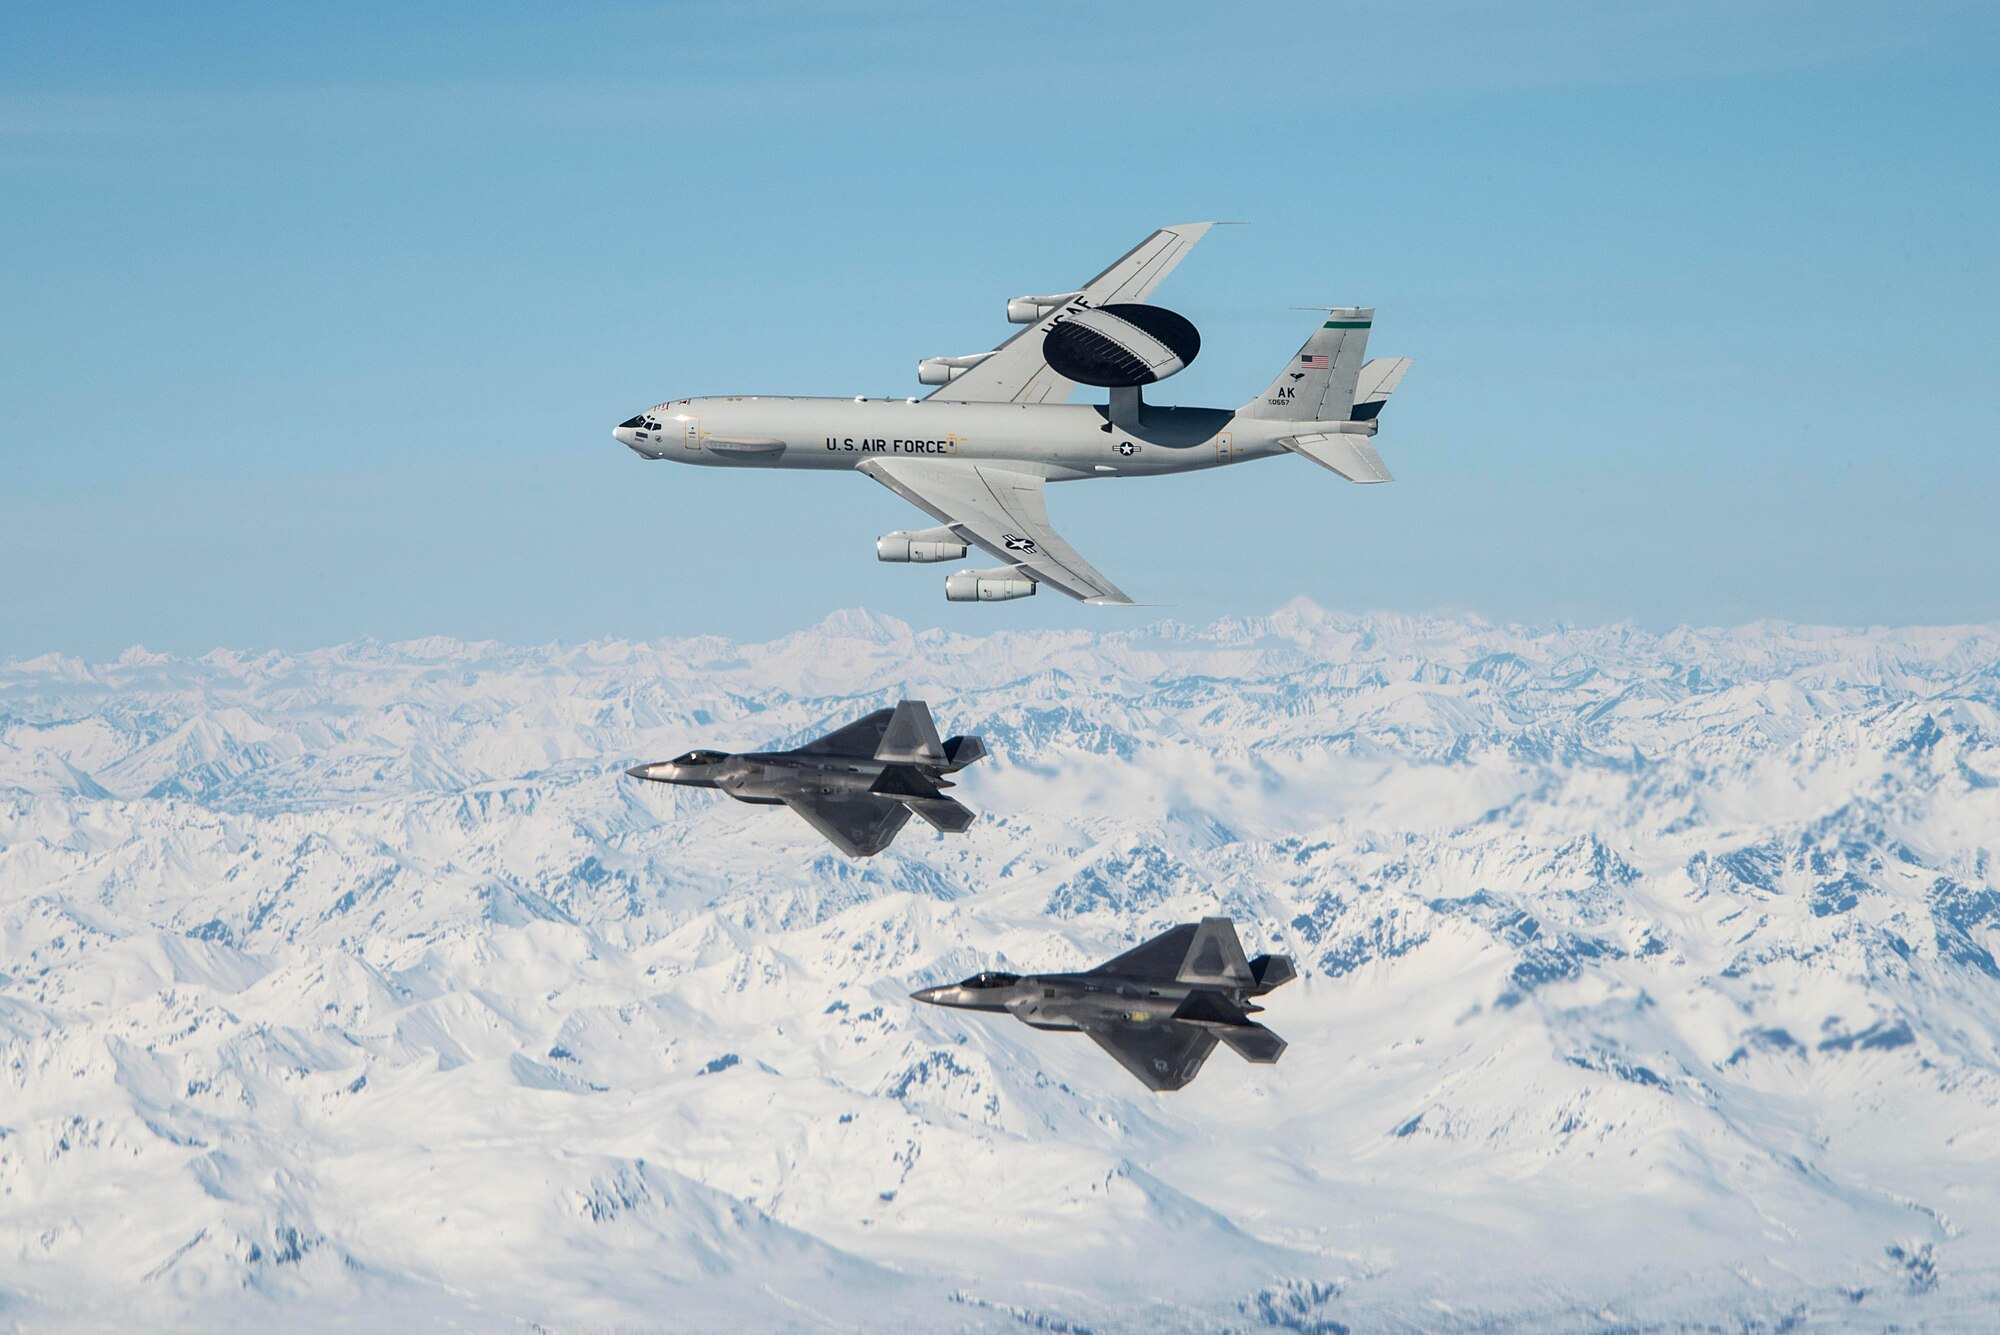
(977, 452)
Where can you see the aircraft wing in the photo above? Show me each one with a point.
(1001, 510)
(858, 825)
(859, 738)
(1194, 952)
(1158, 958)
(1163, 1054)
(1015, 371)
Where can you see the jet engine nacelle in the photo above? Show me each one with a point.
(929, 544)
(944, 370)
(1121, 346)
(987, 586)
(1028, 310)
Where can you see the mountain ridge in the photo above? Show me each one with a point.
(1644, 974)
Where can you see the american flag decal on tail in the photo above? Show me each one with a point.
(1315, 361)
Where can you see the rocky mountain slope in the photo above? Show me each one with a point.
(1650, 982)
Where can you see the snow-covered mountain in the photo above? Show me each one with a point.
(1650, 981)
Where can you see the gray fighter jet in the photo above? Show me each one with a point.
(858, 785)
(1158, 1008)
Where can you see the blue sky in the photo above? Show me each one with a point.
(317, 317)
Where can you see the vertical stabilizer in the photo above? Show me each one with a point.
(1216, 956)
(1318, 385)
(911, 737)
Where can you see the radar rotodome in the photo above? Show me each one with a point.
(1121, 346)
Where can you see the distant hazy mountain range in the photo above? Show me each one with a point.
(1648, 981)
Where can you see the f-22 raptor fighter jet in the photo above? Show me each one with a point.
(1158, 1008)
(858, 785)
(976, 453)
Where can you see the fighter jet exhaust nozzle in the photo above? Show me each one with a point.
(930, 544)
(987, 586)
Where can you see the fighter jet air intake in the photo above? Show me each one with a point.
(976, 452)
(1158, 1008)
(858, 785)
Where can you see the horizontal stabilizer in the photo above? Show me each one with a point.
(1253, 1043)
(1232, 1024)
(901, 781)
(942, 813)
(962, 751)
(1211, 1008)
(1350, 456)
(911, 737)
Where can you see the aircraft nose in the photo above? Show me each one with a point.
(660, 771)
(934, 995)
(640, 436)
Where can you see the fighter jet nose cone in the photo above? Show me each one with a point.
(643, 771)
(929, 994)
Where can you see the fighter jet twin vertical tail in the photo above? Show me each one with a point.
(858, 785)
(977, 453)
(1159, 1008)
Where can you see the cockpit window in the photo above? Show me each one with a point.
(701, 758)
(991, 979)
(640, 420)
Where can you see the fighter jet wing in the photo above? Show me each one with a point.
(1158, 958)
(859, 738)
(858, 825)
(1164, 1055)
(1194, 952)
(1001, 510)
(1015, 371)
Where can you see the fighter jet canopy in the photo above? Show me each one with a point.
(992, 978)
(702, 758)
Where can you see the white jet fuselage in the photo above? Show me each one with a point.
(1061, 442)
(977, 454)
